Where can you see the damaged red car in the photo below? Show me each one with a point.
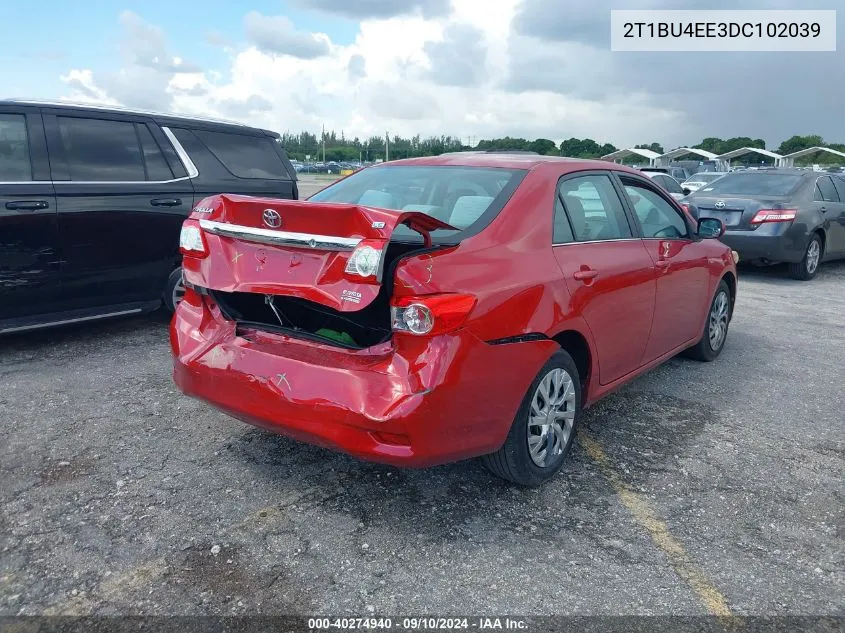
(430, 310)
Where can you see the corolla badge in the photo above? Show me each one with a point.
(272, 218)
(720, 204)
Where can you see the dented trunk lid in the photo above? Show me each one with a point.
(295, 248)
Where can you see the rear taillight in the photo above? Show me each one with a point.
(431, 314)
(774, 215)
(365, 259)
(191, 240)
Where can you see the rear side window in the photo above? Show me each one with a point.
(100, 150)
(245, 156)
(593, 208)
(15, 165)
(827, 190)
(157, 167)
(671, 185)
(840, 187)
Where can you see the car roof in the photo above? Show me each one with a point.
(162, 118)
(506, 160)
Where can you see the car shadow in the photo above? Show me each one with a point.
(641, 431)
(84, 333)
(779, 273)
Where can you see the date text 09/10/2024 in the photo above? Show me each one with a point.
(420, 623)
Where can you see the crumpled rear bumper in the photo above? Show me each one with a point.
(413, 401)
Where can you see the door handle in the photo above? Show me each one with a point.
(26, 205)
(662, 263)
(823, 209)
(585, 275)
(166, 202)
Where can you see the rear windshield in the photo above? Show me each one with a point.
(755, 184)
(465, 197)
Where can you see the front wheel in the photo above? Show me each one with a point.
(174, 290)
(715, 332)
(544, 427)
(807, 268)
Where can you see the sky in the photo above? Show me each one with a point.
(466, 68)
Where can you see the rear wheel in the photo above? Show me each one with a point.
(715, 332)
(807, 268)
(174, 290)
(544, 427)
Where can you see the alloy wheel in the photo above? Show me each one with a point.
(813, 255)
(178, 292)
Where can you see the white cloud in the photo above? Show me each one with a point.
(502, 76)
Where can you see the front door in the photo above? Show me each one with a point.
(680, 265)
(608, 272)
(829, 200)
(29, 238)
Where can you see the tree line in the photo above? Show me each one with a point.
(341, 149)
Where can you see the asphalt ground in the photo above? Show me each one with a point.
(699, 488)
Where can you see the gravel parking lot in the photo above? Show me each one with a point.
(697, 489)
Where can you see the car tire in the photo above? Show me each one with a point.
(807, 268)
(712, 340)
(174, 290)
(534, 453)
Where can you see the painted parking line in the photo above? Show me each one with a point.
(645, 515)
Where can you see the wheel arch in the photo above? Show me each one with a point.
(578, 347)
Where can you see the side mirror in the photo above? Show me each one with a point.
(687, 191)
(710, 228)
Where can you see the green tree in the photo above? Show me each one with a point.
(797, 143)
(654, 147)
(543, 146)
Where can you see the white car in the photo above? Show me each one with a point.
(701, 179)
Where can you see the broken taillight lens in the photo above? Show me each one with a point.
(191, 240)
(431, 314)
(365, 259)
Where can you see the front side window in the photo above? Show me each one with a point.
(15, 165)
(657, 217)
(99, 150)
(592, 208)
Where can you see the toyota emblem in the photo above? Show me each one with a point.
(272, 218)
(720, 204)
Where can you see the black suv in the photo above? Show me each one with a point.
(92, 201)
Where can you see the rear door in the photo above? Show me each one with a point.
(829, 201)
(680, 264)
(29, 238)
(120, 206)
(608, 272)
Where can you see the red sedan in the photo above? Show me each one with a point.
(431, 310)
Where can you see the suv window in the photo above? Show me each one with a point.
(245, 156)
(657, 217)
(827, 190)
(592, 208)
(100, 150)
(157, 167)
(15, 165)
